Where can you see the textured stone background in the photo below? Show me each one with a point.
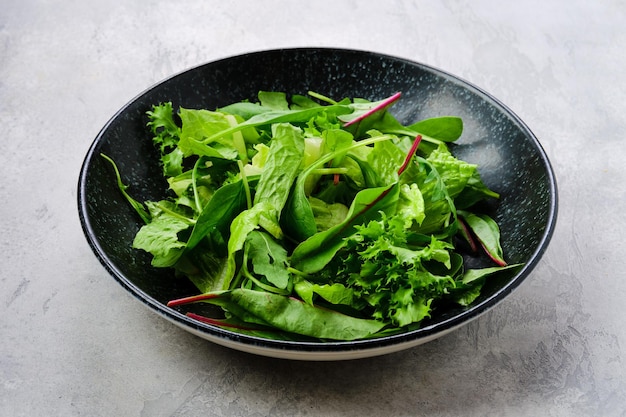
(73, 342)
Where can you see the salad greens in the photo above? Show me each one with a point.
(303, 216)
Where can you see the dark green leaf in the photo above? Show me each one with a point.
(314, 253)
(474, 191)
(227, 202)
(293, 315)
(205, 267)
(241, 226)
(488, 233)
(446, 128)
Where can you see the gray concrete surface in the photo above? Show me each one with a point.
(74, 343)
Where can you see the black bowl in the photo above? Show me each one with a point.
(510, 158)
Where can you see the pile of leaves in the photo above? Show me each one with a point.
(303, 216)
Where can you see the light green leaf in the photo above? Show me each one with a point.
(160, 236)
(411, 205)
(281, 166)
(454, 172)
(241, 226)
(268, 258)
(274, 100)
(411, 312)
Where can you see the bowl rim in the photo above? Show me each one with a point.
(300, 349)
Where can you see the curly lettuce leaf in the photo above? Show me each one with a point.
(160, 237)
(393, 277)
(454, 172)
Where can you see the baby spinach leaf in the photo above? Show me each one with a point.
(436, 129)
(295, 316)
(445, 128)
(244, 109)
(227, 202)
(475, 190)
(314, 253)
(473, 280)
(473, 275)
(303, 102)
(370, 176)
(298, 219)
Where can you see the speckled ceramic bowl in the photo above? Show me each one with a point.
(511, 161)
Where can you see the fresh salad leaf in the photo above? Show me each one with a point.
(488, 234)
(292, 315)
(269, 259)
(282, 165)
(314, 253)
(160, 236)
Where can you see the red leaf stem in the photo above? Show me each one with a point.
(192, 299)
(216, 322)
(468, 235)
(373, 110)
(409, 156)
(498, 262)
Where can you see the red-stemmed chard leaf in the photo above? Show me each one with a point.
(381, 105)
(498, 261)
(487, 232)
(466, 234)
